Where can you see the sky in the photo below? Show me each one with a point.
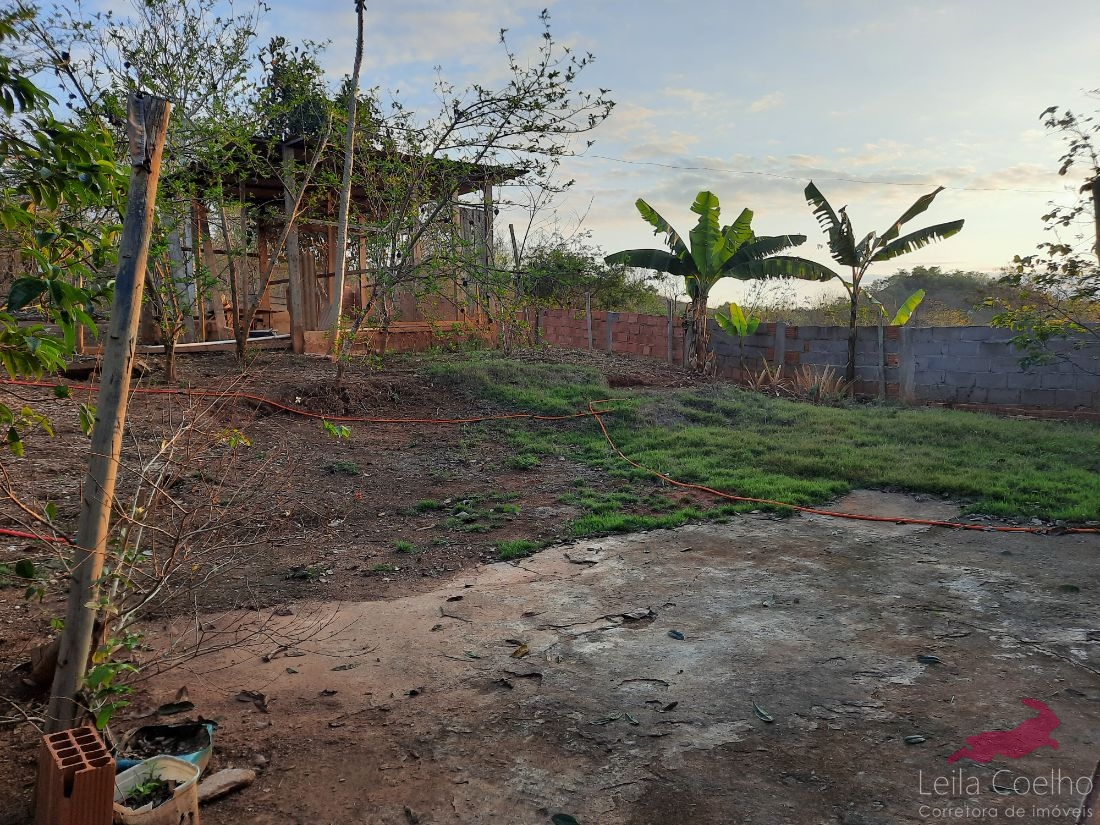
(876, 101)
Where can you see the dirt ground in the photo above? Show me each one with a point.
(801, 670)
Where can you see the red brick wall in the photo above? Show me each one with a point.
(632, 333)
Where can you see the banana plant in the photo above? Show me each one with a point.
(905, 311)
(714, 252)
(735, 322)
(874, 248)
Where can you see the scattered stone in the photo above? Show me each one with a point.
(224, 783)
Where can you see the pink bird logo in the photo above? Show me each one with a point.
(1025, 738)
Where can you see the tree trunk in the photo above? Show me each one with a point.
(700, 359)
(240, 341)
(853, 317)
(170, 359)
(147, 127)
(336, 297)
(295, 290)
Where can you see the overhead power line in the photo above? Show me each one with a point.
(759, 173)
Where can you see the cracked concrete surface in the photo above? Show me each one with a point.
(559, 685)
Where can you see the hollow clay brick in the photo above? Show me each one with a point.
(76, 779)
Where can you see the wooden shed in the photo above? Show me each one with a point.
(225, 254)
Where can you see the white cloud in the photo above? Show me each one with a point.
(769, 101)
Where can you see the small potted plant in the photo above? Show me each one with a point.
(158, 791)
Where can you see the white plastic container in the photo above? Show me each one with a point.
(181, 809)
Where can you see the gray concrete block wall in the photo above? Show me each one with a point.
(954, 365)
(979, 365)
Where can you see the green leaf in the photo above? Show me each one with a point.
(727, 324)
(739, 232)
(563, 819)
(99, 676)
(906, 310)
(759, 248)
(920, 205)
(783, 267)
(657, 259)
(15, 442)
(86, 413)
(104, 714)
(60, 391)
(735, 322)
(841, 240)
(25, 291)
(709, 249)
(918, 240)
(672, 237)
(24, 568)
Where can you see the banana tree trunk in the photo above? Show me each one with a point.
(700, 359)
(853, 317)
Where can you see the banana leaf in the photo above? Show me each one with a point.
(783, 266)
(841, 242)
(659, 224)
(920, 205)
(918, 240)
(658, 259)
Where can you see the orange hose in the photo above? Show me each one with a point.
(4, 531)
(598, 416)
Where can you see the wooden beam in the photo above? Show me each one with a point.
(295, 286)
(147, 126)
(214, 306)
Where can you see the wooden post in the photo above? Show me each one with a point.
(881, 360)
(330, 272)
(1095, 186)
(609, 328)
(588, 316)
(214, 297)
(487, 247)
(906, 366)
(180, 284)
(362, 246)
(147, 127)
(193, 242)
(517, 283)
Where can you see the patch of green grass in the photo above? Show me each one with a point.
(598, 524)
(517, 549)
(786, 451)
(383, 568)
(402, 546)
(427, 505)
(342, 467)
(600, 503)
(546, 389)
(479, 513)
(523, 461)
